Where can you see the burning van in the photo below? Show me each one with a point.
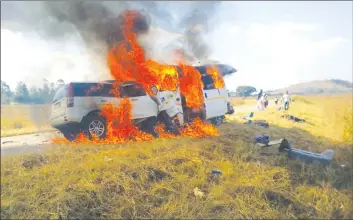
(79, 107)
(143, 94)
(216, 102)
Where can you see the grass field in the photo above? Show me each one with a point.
(156, 179)
(24, 119)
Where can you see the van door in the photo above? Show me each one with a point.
(222, 101)
(211, 96)
(142, 104)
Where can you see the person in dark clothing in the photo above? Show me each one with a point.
(276, 100)
(259, 95)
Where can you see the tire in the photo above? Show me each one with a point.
(173, 128)
(217, 121)
(149, 125)
(170, 125)
(95, 125)
(70, 136)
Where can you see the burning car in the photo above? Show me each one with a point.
(77, 107)
(143, 93)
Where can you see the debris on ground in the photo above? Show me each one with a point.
(198, 192)
(217, 172)
(250, 115)
(293, 118)
(156, 174)
(262, 139)
(106, 159)
(324, 158)
(261, 123)
(6, 142)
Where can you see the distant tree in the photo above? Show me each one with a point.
(245, 91)
(6, 93)
(60, 83)
(36, 96)
(21, 93)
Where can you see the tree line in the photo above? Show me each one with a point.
(243, 91)
(34, 95)
(45, 93)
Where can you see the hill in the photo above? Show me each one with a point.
(332, 86)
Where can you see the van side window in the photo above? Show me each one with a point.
(208, 82)
(133, 90)
(105, 91)
(85, 89)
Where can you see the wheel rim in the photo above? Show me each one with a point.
(96, 127)
(218, 120)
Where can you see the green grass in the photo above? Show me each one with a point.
(156, 179)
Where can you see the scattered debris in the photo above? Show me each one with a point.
(7, 142)
(107, 159)
(263, 139)
(250, 115)
(293, 118)
(217, 172)
(261, 123)
(324, 158)
(155, 175)
(198, 192)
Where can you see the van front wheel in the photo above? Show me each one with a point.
(69, 135)
(95, 125)
(217, 121)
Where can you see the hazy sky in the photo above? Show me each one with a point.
(272, 44)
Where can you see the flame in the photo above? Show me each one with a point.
(216, 76)
(191, 86)
(126, 61)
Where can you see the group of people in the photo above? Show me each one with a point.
(263, 101)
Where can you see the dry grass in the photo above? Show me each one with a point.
(24, 119)
(156, 179)
(238, 101)
(329, 116)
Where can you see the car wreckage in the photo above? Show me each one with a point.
(75, 111)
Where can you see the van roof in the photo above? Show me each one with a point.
(104, 82)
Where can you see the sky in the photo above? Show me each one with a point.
(271, 44)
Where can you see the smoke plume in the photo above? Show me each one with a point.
(87, 29)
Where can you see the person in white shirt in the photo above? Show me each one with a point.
(286, 99)
(261, 103)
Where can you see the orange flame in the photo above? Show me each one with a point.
(216, 76)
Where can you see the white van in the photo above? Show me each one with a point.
(76, 108)
(216, 100)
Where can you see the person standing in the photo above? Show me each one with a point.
(286, 100)
(261, 104)
(259, 95)
(276, 100)
(265, 100)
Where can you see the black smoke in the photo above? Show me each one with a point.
(99, 23)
